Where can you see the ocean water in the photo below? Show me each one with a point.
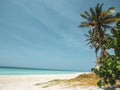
(28, 71)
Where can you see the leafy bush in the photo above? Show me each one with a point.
(109, 70)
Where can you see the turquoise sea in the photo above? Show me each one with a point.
(30, 71)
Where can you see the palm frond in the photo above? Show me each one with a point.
(92, 12)
(97, 10)
(83, 24)
(118, 15)
(111, 10)
(83, 16)
(88, 15)
(107, 26)
(101, 6)
(86, 35)
(112, 20)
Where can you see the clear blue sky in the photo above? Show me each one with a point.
(45, 33)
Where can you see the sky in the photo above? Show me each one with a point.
(45, 34)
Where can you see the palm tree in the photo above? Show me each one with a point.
(99, 22)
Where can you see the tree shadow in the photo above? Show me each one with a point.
(113, 88)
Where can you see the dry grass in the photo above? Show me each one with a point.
(81, 80)
(51, 83)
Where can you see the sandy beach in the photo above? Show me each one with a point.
(27, 82)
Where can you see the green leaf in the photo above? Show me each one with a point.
(113, 75)
(118, 62)
(112, 82)
(118, 67)
(110, 71)
(101, 83)
(95, 71)
(109, 63)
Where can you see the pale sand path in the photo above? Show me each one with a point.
(27, 82)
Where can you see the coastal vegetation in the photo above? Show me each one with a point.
(104, 35)
(81, 80)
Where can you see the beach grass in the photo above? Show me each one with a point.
(81, 80)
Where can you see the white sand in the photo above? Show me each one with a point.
(27, 82)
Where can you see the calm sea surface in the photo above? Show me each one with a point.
(27, 71)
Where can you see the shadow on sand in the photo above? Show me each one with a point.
(112, 88)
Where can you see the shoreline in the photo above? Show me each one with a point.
(45, 74)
